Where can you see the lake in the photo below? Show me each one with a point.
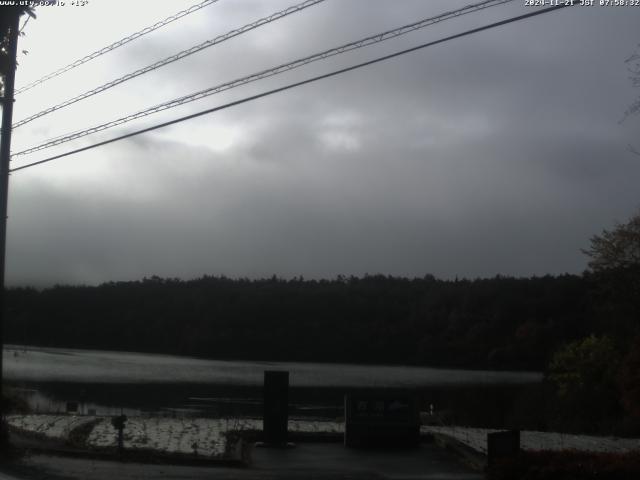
(106, 380)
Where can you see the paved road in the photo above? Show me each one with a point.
(320, 461)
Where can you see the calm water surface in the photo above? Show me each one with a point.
(104, 382)
(35, 364)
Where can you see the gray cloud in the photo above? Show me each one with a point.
(499, 153)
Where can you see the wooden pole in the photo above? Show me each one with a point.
(5, 155)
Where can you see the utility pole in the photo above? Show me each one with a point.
(11, 27)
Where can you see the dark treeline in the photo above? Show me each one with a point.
(503, 323)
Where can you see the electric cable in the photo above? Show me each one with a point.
(297, 84)
(364, 42)
(114, 45)
(173, 58)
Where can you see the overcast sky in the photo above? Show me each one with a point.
(498, 153)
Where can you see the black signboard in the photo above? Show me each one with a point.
(381, 419)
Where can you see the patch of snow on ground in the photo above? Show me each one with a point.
(308, 426)
(207, 436)
(203, 436)
(52, 426)
(476, 438)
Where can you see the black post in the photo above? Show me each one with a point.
(118, 424)
(276, 408)
(120, 439)
(5, 153)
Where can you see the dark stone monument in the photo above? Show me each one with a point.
(275, 415)
(502, 445)
(381, 419)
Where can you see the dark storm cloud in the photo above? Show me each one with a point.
(500, 153)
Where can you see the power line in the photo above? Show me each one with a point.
(370, 40)
(296, 84)
(24, 24)
(173, 58)
(114, 45)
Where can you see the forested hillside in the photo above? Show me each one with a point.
(492, 323)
